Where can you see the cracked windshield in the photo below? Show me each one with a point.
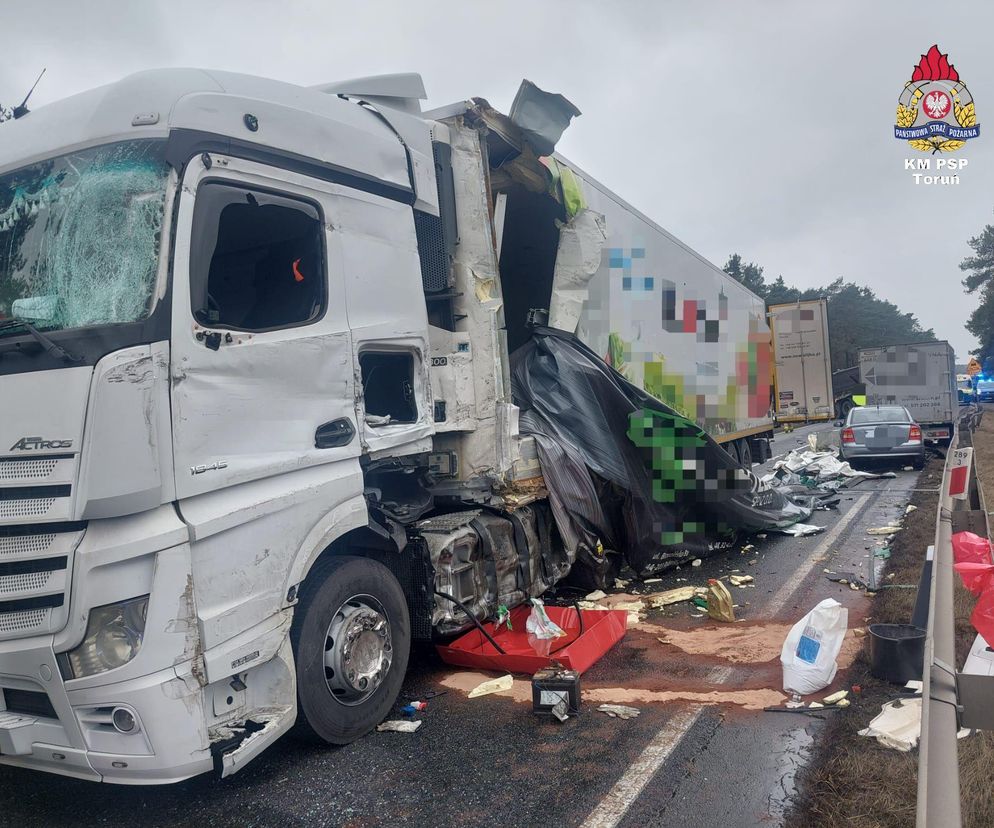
(79, 237)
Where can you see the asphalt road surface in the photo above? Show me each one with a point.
(701, 752)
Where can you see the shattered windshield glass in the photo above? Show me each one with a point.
(79, 237)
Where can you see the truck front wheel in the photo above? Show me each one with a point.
(351, 637)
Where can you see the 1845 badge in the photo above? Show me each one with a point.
(935, 112)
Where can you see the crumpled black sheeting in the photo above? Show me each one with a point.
(625, 469)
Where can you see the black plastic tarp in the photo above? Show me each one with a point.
(627, 472)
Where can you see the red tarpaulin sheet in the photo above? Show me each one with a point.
(602, 629)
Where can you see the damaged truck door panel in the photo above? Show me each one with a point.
(258, 431)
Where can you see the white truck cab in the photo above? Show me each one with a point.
(216, 357)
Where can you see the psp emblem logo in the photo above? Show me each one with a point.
(935, 112)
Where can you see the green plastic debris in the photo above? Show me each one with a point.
(504, 616)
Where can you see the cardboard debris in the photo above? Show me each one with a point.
(836, 697)
(493, 686)
(396, 726)
(673, 596)
(883, 530)
(898, 725)
(619, 711)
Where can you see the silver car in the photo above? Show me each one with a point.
(881, 432)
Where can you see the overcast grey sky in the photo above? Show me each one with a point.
(754, 126)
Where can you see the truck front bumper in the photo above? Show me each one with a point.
(45, 726)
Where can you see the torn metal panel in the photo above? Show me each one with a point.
(477, 288)
(452, 380)
(542, 116)
(581, 242)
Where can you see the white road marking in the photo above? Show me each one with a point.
(613, 807)
(787, 589)
(626, 790)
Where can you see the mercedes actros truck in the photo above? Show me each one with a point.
(256, 430)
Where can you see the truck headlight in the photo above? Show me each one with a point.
(113, 637)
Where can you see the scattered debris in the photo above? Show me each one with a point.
(398, 726)
(882, 552)
(859, 632)
(910, 509)
(619, 711)
(883, 530)
(842, 703)
(496, 685)
(810, 650)
(556, 692)
(696, 562)
(740, 580)
(542, 630)
(619, 584)
(836, 697)
(596, 595)
(720, 603)
(748, 547)
(898, 724)
(414, 707)
(673, 596)
(908, 468)
(761, 535)
(800, 530)
(651, 581)
(812, 711)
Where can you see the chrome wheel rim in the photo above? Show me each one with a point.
(358, 650)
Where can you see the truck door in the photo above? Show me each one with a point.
(388, 321)
(262, 373)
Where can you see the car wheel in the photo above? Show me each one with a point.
(351, 637)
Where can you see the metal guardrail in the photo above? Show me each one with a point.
(938, 803)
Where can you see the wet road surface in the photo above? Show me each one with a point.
(702, 752)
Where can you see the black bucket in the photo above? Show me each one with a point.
(897, 652)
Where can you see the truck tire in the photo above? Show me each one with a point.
(351, 637)
(745, 452)
(845, 406)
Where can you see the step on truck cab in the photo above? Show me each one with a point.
(256, 432)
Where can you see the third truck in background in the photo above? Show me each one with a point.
(921, 377)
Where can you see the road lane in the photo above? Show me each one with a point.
(490, 762)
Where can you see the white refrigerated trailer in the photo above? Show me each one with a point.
(802, 360)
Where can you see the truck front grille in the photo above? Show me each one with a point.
(35, 563)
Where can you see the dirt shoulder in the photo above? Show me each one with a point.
(854, 781)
